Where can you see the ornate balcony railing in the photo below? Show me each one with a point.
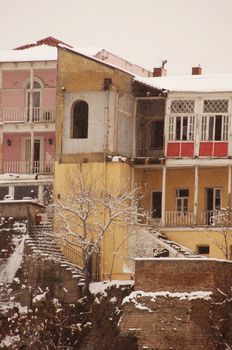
(17, 114)
(27, 167)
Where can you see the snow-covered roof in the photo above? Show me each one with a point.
(192, 83)
(41, 53)
(37, 53)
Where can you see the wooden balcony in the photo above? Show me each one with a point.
(213, 218)
(27, 167)
(21, 115)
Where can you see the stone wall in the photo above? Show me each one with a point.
(180, 304)
(19, 209)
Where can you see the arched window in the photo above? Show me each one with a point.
(80, 116)
(36, 99)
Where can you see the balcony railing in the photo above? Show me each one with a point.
(17, 114)
(213, 218)
(27, 167)
(179, 218)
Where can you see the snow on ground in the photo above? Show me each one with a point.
(6, 306)
(9, 340)
(180, 295)
(202, 259)
(12, 264)
(100, 287)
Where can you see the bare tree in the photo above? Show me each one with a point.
(221, 223)
(89, 208)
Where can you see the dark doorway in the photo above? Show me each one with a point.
(156, 204)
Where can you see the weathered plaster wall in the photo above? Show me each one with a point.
(97, 102)
(83, 77)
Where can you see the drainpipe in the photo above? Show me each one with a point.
(163, 196)
(195, 207)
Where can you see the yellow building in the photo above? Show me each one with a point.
(170, 136)
(93, 129)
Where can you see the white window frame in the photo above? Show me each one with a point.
(182, 200)
(36, 110)
(205, 123)
(172, 124)
(215, 189)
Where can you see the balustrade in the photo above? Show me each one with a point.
(17, 114)
(27, 167)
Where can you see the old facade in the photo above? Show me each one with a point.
(169, 135)
(187, 171)
(27, 110)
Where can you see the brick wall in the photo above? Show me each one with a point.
(195, 313)
(177, 275)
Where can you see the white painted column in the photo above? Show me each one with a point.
(11, 191)
(31, 117)
(197, 132)
(31, 95)
(32, 151)
(40, 194)
(163, 195)
(195, 205)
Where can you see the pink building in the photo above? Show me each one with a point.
(27, 121)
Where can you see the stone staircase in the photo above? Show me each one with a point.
(42, 242)
(168, 248)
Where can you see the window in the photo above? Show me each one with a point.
(202, 249)
(36, 100)
(182, 106)
(157, 134)
(215, 120)
(80, 115)
(213, 199)
(181, 128)
(182, 200)
(3, 191)
(181, 125)
(214, 128)
(26, 191)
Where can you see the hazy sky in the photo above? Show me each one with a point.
(185, 32)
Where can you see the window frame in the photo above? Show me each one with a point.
(205, 127)
(85, 116)
(36, 110)
(182, 200)
(203, 246)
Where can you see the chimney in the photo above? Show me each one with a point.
(159, 72)
(196, 70)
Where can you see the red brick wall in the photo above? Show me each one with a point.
(173, 323)
(182, 275)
